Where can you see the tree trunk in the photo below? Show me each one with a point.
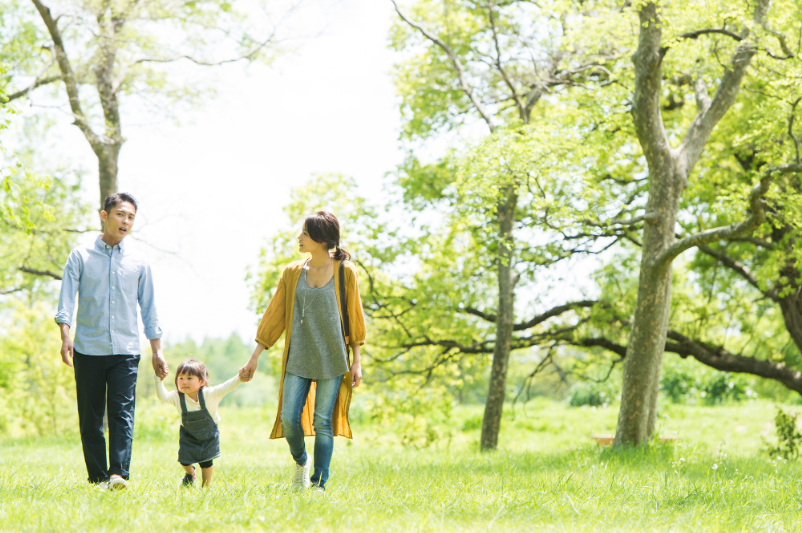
(793, 318)
(669, 169)
(107, 158)
(494, 407)
(637, 417)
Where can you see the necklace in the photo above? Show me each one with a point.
(303, 307)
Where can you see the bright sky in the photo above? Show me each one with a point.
(211, 190)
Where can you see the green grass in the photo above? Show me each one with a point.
(546, 476)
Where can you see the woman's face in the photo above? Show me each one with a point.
(306, 244)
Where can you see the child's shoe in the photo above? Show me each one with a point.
(189, 479)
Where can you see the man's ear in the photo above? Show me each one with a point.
(104, 216)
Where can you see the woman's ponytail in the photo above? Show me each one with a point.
(340, 254)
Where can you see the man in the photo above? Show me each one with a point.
(110, 280)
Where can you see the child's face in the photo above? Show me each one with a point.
(189, 384)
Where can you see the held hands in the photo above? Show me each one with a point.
(247, 372)
(160, 365)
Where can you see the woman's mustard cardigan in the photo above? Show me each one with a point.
(278, 317)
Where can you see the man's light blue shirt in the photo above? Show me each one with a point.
(109, 280)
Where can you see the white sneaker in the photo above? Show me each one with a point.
(300, 479)
(117, 483)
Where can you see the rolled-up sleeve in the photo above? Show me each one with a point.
(273, 322)
(356, 316)
(69, 288)
(150, 319)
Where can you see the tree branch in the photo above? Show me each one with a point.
(646, 113)
(720, 359)
(248, 55)
(554, 311)
(702, 97)
(738, 268)
(516, 97)
(791, 134)
(39, 272)
(757, 207)
(713, 111)
(648, 217)
(454, 61)
(37, 83)
(11, 291)
(696, 33)
(67, 75)
(713, 356)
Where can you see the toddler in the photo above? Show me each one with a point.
(199, 441)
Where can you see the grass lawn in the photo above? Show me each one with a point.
(546, 476)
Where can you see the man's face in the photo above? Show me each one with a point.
(120, 221)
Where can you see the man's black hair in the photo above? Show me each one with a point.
(117, 198)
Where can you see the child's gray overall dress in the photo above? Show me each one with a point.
(200, 439)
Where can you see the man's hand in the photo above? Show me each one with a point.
(67, 351)
(247, 372)
(160, 365)
(67, 348)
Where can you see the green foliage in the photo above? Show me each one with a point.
(789, 439)
(592, 394)
(419, 419)
(37, 391)
(145, 36)
(686, 381)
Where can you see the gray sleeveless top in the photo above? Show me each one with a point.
(317, 347)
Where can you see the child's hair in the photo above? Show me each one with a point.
(193, 367)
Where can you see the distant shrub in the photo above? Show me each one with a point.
(677, 384)
(419, 418)
(592, 393)
(687, 383)
(473, 423)
(723, 386)
(789, 439)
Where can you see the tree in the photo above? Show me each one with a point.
(669, 171)
(497, 61)
(116, 50)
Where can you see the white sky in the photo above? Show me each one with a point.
(212, 189)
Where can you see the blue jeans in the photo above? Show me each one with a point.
(296, 390)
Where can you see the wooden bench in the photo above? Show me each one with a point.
(606, 440)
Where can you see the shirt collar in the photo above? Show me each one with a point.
(102, 246)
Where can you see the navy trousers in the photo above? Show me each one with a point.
(94, 375)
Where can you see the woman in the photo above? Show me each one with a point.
(316, 377)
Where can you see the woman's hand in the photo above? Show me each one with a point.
(356, 373)
(247, 372)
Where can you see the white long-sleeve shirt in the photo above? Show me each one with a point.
(212, 396)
